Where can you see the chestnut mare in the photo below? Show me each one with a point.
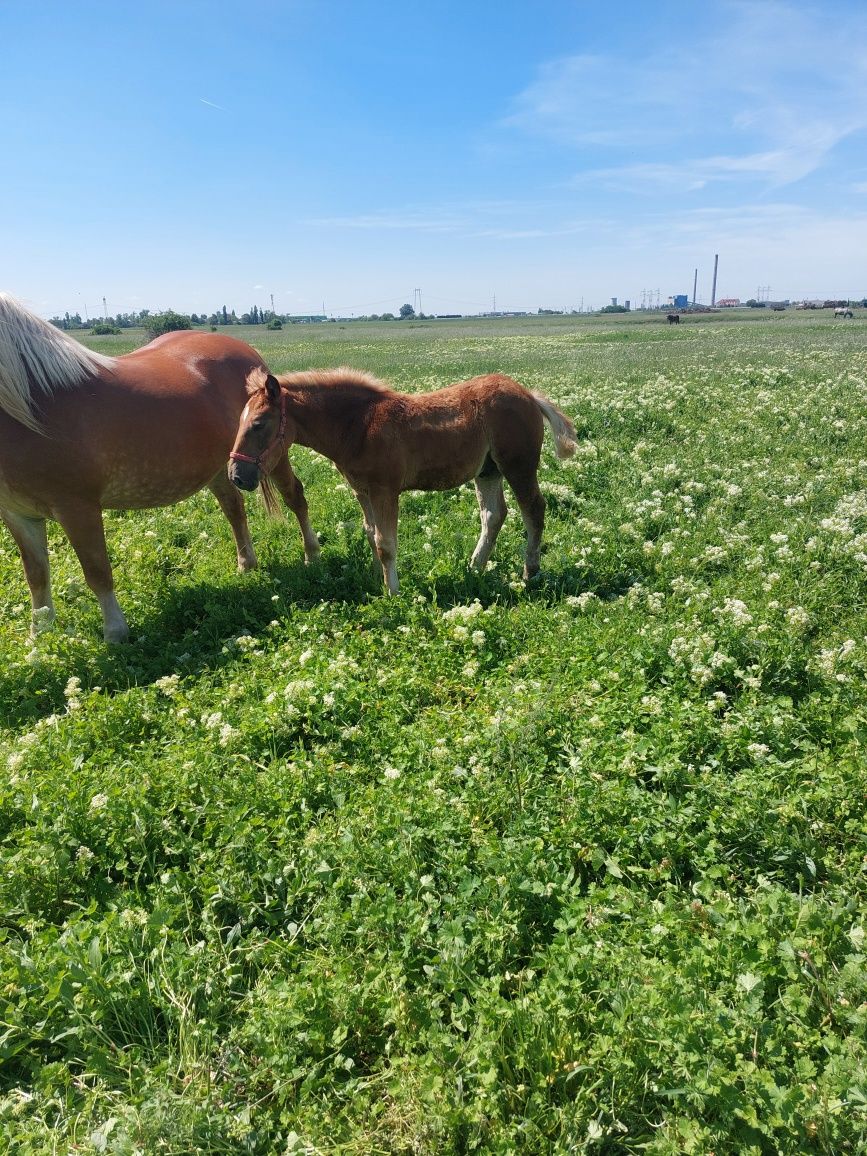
(81, 432)
(384, 442)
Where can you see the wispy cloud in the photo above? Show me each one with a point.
(517, 220)
(390, 222)
(765, 95)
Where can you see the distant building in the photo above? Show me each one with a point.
(680, 301)
(728, 302)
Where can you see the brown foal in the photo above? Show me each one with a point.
(487, 429)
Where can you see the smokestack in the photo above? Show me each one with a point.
(713, 290)
(694, 285)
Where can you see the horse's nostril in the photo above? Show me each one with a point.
(242, 479)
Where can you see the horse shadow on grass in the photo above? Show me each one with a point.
(183, 630)
(187, 625)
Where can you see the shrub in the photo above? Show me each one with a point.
(167, 322)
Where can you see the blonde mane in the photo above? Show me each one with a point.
(344, 375)
(34, 354)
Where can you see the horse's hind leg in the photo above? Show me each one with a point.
(82, 523)
(232, 505)
(32, 543)
(292, 492)
(525, 487)
(492, 510)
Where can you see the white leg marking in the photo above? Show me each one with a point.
(492, 510)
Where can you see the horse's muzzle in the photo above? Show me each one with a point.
(244, 475)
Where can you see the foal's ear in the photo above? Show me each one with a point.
(272, 388)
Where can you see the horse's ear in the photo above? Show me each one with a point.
(272, 388)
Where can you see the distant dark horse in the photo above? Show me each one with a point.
(81, 433)
(673, 318)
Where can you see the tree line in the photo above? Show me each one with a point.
(168, 320)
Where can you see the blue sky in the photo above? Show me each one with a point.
(545, 154)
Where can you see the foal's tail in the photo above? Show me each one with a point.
(561, 427)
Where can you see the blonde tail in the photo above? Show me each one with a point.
(561, 427)
(269, 498)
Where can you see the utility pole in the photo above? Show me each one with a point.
(272, 305)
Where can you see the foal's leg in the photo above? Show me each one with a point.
(82, 523)
(525, 486)
(232, 505)
(369, 520)
(384, 505)
(292, 492)
(32, 543)
(492, 509)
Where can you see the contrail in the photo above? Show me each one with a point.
(211, 104)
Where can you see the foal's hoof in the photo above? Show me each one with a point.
(43, 619)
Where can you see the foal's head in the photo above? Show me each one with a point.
(262, 433)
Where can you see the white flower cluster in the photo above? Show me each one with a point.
(734, 612)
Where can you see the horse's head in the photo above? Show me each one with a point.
(262, 431)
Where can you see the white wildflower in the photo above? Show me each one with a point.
(463, 612)
(581, 601)
(71, 692)
(227, 733)
(798, 617)
(168, 684)
(735, 611)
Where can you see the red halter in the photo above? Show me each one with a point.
(235, 456)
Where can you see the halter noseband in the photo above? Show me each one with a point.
(236, 456)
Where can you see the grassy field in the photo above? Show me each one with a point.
(574, 866)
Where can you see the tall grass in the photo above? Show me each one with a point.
(574, 866)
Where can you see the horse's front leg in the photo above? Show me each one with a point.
(292, 492)
(82, 523)
(232, 505)
(32, 543)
